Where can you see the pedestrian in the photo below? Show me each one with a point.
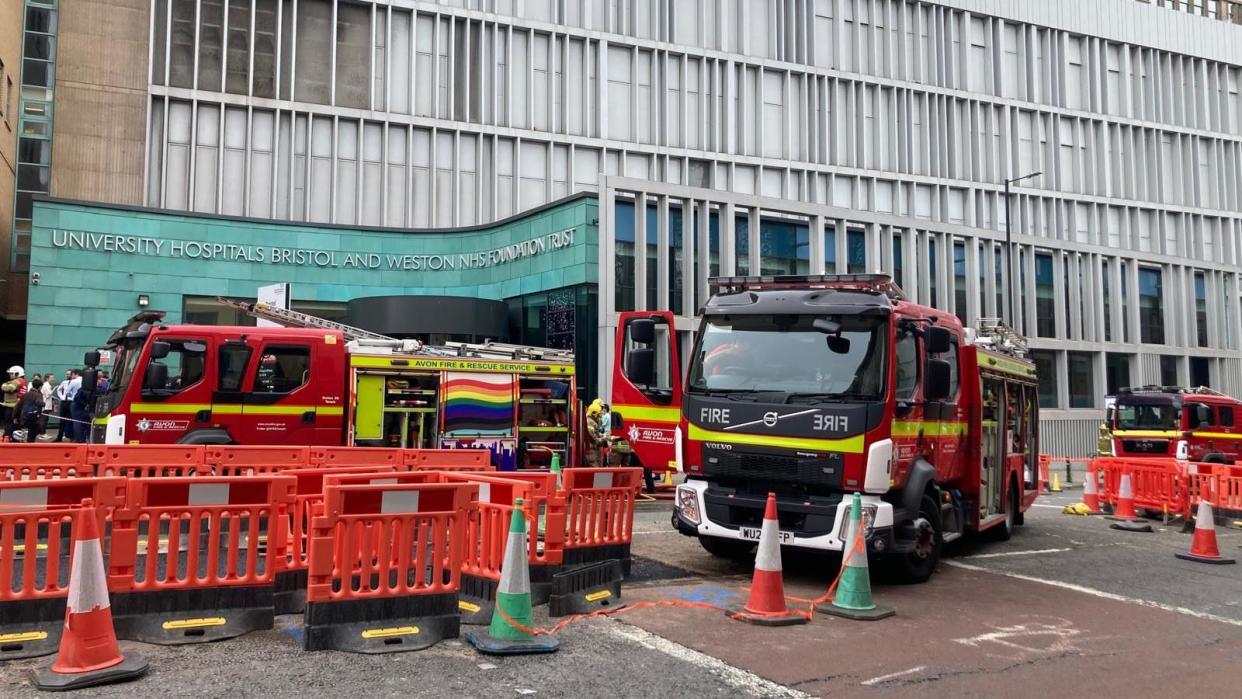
(30, 411)
(65, 393)
(103, 385)
(47, 402)
(80, 411)
(14, 390)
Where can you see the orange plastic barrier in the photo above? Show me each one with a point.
(36, 545)
(290, 584)
(487, 534)
(145, 460)
(356, 456)
(194, 559)
(599, 514)
(20, 462)
(385, 566)
(1159, 485)
(1220, 485)
(234, 460)
(450, 459)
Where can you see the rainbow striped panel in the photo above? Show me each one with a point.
(481, 404)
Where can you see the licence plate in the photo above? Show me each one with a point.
(752, 534)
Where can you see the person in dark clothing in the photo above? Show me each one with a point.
(30, 411)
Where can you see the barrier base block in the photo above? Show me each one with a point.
(491, 645)
(1129, 525)
(289, 592)
(1214, 560)
(582, 555)
(179, 617)
(131, 667)
(873, 614)
(540, 583)
(789, 619)
(476, 601)
(586, 589)
(373, 626)
(31, 628)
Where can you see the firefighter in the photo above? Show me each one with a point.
(597, 438)
(14, 390)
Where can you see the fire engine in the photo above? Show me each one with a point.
(815, 387)
(317, 382)
(1191, 424)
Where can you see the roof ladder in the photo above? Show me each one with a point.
(294, 319)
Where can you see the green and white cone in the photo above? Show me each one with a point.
(503, 637)
(556, 468)
(853, 598)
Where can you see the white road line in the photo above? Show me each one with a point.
(1100, 593)
(1002, 554)
(1051, 507)
(733, 676)
(885, 678)
(667, 531)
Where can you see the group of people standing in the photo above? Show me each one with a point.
(28, 404)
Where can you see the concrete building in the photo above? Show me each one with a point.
(754, 135)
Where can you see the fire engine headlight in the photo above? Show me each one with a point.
(1183, 450)
(688, 505)
(868, 520)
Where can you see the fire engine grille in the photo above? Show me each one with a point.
(1145, 446)
(750, 466)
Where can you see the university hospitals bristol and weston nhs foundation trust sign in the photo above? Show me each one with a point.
(119, 243)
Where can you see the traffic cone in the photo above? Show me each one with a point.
(1203, 546)
(89, 654)
(556, 468)
(1090, 493)
(1124, 511)
(506, 635)
(766, 605)
(853, 597)
(1056, 483)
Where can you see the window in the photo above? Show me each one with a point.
(1045, 298)
(233, 361)
(1046, 368)
(1192, 415)
(1151, 306)
(899, 270)
(955, 380)
(1168, 370)
(1107, 299)
(1200, 372)
(856, 242)
(907, 365)
(282, 369)
(931, 271)
(830, 249)
(959, 281)
(1225, 414)
(186, 362)
(1117, 372)
(1201, 322)
(1081, 380)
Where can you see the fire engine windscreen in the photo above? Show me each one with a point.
(787, 354)
(1146, 417)
(126, 359)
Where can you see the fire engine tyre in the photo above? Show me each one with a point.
(1215, 459)
(726, 548)
(1005, 531)
(919, 564)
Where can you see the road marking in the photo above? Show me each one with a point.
(893, 675)
(1100, 593)
(667, 531)
(733, 676)
(1002, 554)
(1051, 507)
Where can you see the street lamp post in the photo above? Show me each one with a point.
(1009, 246)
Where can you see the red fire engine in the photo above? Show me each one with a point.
(1192, 424)
(324, 383)
(815, 387)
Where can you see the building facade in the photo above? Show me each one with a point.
(12, 291)
(755, 135)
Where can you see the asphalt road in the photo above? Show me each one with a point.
(1066, 605)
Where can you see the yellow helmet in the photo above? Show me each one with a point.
(596, 407)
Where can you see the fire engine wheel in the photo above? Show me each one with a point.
(1215, 459)
(1005, 531)
(919, 564)
(726, 548)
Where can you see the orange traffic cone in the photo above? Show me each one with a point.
(88, 650)
(766, 605)
(1203, 546)
(1090, 491)
(1125, 512)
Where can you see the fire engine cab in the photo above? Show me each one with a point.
(815, 387)
(1192, 424)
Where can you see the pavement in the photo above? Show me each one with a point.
(1067, 605)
